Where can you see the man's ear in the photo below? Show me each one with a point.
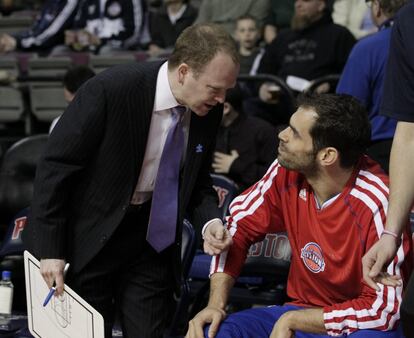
(226, 107)
(322, 6)
(328, 156)
(182, 71)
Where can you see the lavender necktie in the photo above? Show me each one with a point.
(164, 207)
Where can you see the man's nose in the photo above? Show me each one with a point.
(283, 135)
(220, 98)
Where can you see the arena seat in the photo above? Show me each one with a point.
(17, 172)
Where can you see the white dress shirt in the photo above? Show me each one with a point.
(161, 121)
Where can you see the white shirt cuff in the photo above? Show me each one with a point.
(208, 223)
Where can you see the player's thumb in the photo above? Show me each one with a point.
(219, 233)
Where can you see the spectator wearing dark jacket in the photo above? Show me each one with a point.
(168, 22)
(46, 32)
(245, 146)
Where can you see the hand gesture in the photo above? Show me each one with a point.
(209, 315)
(222, 162)
(269, 92)
(52, 272)
(376, 260)
(216, 238)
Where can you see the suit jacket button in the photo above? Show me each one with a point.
(103, 239)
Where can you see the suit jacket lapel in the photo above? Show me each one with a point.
(140, 112)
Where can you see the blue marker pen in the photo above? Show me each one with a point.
(53, 288)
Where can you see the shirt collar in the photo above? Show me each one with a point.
(175, 17)
(164, 98)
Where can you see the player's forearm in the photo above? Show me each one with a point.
(309, 320)
(220, 286)
(401, 177)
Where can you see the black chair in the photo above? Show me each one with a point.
(17, 172)
(188, 249)
(263, 279)
(324, 84)
(11, 258)
(278, 113)
(226, 190)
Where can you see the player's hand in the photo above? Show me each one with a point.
(216, 238)
(376, 260)
(208, 315)
(222, 162)
(52, 271)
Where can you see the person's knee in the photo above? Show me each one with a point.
(225, 330)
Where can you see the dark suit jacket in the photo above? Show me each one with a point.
(87, 175)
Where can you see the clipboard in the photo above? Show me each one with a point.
(66, 316)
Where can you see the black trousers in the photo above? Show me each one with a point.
(130, 280)
(407, 309)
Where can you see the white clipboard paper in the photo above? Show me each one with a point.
(66, 316)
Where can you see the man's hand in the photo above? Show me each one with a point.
(222, 162)
(216, 238)
(376, 260)
(52, 271)
(209, 315)
(282, 328)
(7, 43)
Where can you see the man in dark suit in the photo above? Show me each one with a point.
(93, 203)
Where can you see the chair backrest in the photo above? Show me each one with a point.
(12, 243)
(226, 189)
(17, 172)
(100, 63)
(10, 66)
(287, 94)
(15, 24)
(11, 104)
(50, 67)
(324, 84)
(270, 257)
(47, 101)
(188, 247)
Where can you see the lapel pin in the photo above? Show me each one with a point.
(199, 148)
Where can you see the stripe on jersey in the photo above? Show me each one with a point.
(393, 296)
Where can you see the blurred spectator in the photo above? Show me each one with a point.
(168, 22)
(245, 146)
(355, 15)
(46, 32)
(226, 12)
(72, 81)
(247, 35)
(363, 77)
(16, 7)
(313, 47)
(107, 26)
(281, 12)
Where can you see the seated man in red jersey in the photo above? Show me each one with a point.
(332, 201)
